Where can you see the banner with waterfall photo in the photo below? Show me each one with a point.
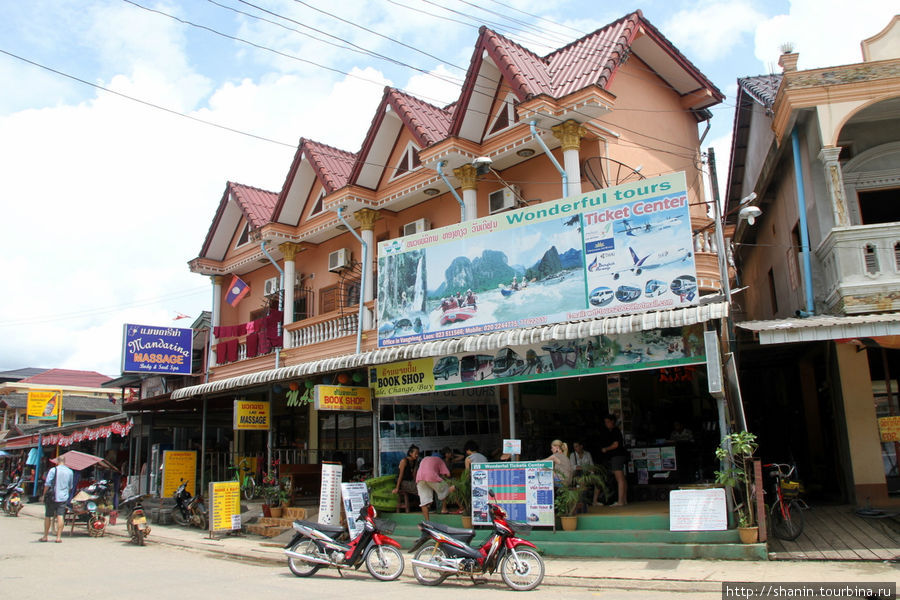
(618, 250)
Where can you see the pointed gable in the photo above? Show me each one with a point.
(427, 124)
(313, 163)
(592, 60)
(239, 202)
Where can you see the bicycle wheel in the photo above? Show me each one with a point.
(249, 488)
(787, 523)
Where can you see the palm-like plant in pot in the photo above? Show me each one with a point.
(736, 455)
(462, 493)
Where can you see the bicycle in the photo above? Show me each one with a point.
(786, 513)
(249, 487)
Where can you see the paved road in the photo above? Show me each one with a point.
(112, 567)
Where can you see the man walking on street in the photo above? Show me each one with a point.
(430, 481)
(57, 490)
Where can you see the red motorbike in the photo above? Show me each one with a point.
(316, 545)
(442, 551)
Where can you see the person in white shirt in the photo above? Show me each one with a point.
(580, 458)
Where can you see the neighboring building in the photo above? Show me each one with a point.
(83, 395)
(615, 106)
(821, 150)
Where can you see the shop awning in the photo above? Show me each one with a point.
(824, 328)
(488, 342)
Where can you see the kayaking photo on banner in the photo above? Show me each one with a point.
(618, 250)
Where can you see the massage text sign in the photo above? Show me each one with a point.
(44, 404)
(178, 466)
(619, 250)
(592, 355)
(342, 397)
(251, 414)
(151, 349)
(224, 505)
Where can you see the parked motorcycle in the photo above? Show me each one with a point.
(92, 504)
(316, 545)
(11, 497)
(138, 528)
(442, 551)
(189, 510)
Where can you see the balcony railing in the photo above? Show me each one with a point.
(861, 268)
(319, 329)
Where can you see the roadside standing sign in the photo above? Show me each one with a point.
(177, 466)
(224, 506)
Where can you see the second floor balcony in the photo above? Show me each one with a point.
(861, 267)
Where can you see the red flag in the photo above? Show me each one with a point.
(237, 289)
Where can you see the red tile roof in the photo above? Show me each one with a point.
(428, 123)
(67, 377)
(333, 165)
(256, 204)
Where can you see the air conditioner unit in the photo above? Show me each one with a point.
(339, 259)
(271, 286)
(417, 226)
(503, 199)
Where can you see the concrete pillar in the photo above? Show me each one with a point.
(366, 218)
(289, 251)
(216, 317)
(863, 437)
(467, 176)
(834, 179)
(569, 135)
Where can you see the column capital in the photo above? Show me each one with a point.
(467, 176)
(830, 154)
(217, 279)
(569, 134)
(366, 218)
(290, 250)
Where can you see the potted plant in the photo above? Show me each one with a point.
(565, 502)
(461, 496)
(594, 477)
(276, 493)
(736, 455)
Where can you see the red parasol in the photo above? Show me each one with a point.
(79, 461)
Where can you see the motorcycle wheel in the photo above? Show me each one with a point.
(528, 576)
(179, 517)
(429, 553)
(200, 520)
(96, 526)
(300, 567)
(16, 509)
(137, 536)
(384, 563)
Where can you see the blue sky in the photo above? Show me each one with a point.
(106, 199)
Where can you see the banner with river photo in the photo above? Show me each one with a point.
(619, 250)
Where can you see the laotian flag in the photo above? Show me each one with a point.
(237, 289)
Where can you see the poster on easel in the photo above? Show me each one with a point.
(330, 495)
(355, 496)
(523, 489)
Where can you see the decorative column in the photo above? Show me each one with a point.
(834, 177)
(467, 175)
(216, 318)
(366, 218)
(289, 251)
(569, 135)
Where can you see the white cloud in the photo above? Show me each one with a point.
(712, 30)
(824, 32)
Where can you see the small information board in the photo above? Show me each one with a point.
(698, 510)
(178, 466)
(889, 428)
(224, 506)
(355, 495)
(523, 489)
(330, 495)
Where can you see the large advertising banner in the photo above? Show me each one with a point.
(43, 404)
(639, 350)
(523, 489)
(149, 349)
(619, 250)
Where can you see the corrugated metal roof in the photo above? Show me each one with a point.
(823, 328)
(68, 377)
(488, 342)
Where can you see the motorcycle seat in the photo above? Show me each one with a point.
(454, 531)
(331, 529)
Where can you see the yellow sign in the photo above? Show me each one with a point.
(178, 466)
(890, 429)
(251, 414)
(330, 397)
(410, 377)
(44, 404)
(224, 505)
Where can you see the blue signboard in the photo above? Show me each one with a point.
(150, 349)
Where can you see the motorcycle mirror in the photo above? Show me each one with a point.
(492, 495)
